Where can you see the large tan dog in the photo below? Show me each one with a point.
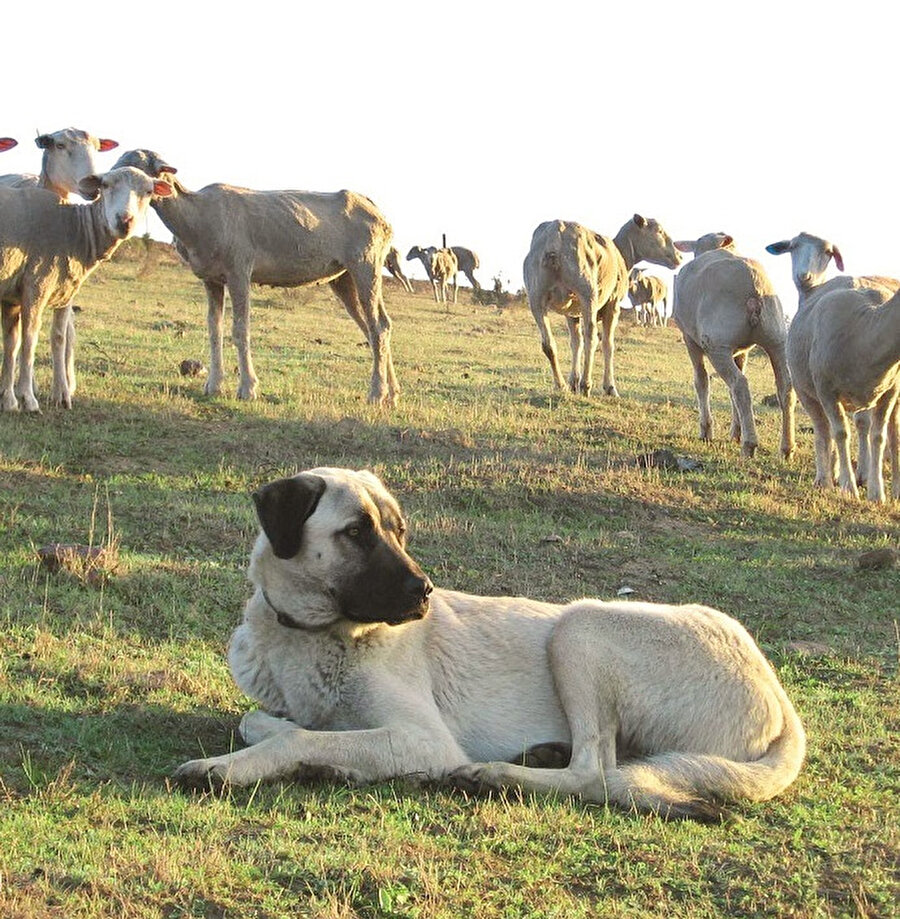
(666, 709)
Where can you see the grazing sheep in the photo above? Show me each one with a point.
(424, 256)
(443, 274)
(48, 249)
(233, 236)
(843, 348)
(392, 263)
(646, 292)
(467, 261)
(571, 270)
(68, 158)
(725, 305)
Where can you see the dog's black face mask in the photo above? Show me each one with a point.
(375, 580)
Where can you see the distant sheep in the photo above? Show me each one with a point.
(233, 236)
(392, 263)
(574, 271)
(443, 272)
(646, 292)
(47, 250)
(843, 348)
(467, 261)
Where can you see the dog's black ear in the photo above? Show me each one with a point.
(283, 507)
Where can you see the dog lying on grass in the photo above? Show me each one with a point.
(366, 672)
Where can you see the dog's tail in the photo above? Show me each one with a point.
(678, 785)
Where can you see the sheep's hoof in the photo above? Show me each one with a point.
(611, 391)
(748, 450)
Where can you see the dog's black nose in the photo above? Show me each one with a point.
(419, 587)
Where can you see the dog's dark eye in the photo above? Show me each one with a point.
(353, 532)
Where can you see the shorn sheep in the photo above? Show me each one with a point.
(233, 236)
(646, 292)
(48, 249)
(68, 158)
(443, 271)
(392, 263)
(843, 348)
(725, 305)
(467, 262)
(574, 271)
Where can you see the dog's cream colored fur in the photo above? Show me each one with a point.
(667, 709)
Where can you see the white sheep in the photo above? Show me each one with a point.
(68, 157)
(646, 292)
(443, 272)
(843, 348)
(725, 305)
(233, 236)
(571, 270)
(392, 263)
(48, 249)
(467, 262)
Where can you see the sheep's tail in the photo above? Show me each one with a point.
(679, 785)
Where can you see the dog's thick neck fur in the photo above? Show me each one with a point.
(290, 623)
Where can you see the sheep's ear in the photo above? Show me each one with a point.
(640, 221)
(726, 240)
(838, 258)
(779, 248)
(162, 189)
(107, 144)
(89, 187)
(685, 245)
(43, 141)
(283, 507)
(7, 143)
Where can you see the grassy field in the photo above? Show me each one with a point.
(111, 676)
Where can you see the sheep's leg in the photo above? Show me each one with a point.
(740, 361)
(825, 466)
(31, 324)
(548, 344)
(10, 319)
(239, 290)
(70, 349)
(61, 394)
(455, 288)
(840, 433)
(862, 421)
(786, 399)
(701, 387)
(215, 300)
(882, 416)
(576, 348)
(724, 362)
(360, 292)
(894, 442)
(609, 317)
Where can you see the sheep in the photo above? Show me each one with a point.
(725, 305)
(392, 263)
(233, 236)
(467, 261)
(48, 249)
(443, 272)
(571, 270)
(7, 143)
(68, 158)
(646, 291)
(843, 348)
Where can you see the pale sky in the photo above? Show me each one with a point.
(480, 120)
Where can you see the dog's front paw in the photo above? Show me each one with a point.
(477, 778)
(199, 775)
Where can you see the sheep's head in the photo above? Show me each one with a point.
(69, 157)
(147, 161)
(810, 256)
(125, 194)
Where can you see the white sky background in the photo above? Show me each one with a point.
(480, 120)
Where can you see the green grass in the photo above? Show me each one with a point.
(106, 684)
